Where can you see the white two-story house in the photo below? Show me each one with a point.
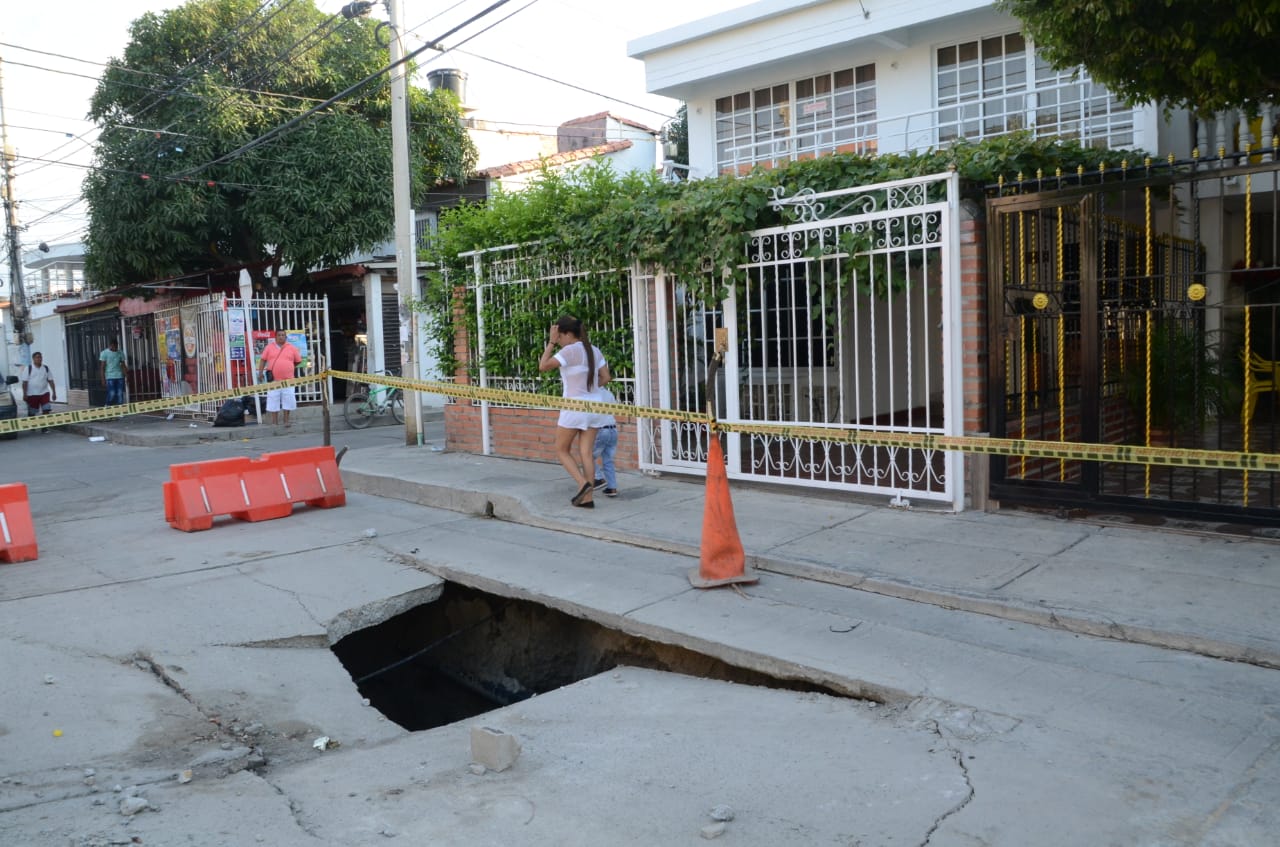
(779, 80)
(1184, 249)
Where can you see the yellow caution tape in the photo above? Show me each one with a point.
(164, 404)
(1064, 450)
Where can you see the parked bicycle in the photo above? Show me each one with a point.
(374, 401)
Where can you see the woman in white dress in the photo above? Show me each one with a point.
(582, 370)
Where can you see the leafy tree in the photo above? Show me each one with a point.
(197, 83)
(1200, 54)
(680, 135)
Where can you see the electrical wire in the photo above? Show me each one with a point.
(161, 90)
(149, 176)
(282, 128)
(324, 29)
(612, 99)
(230, 38)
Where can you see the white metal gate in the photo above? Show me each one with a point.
(849, 319)
(213, 342)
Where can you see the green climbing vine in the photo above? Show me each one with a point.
(603, 223)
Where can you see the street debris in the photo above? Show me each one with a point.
(49, 679)
(493, 748)
(184, 776)
(721, 813)
(714, 830)
(371, 533)
(132, 804)
(324, 742)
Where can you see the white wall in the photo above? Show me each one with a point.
(772, 46)
(499, 143)
(50, 338)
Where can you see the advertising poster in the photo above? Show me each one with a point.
(235, 335)
(189, 331)
(298, 338)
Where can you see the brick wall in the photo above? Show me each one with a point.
(513, 433)
(523, 434)
(973, 318)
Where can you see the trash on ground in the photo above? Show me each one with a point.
(324, 742)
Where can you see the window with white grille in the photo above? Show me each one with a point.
(1074, 106)
(827, 113)
(993, 86)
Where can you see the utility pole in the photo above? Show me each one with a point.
(17, 295)
(410, 291)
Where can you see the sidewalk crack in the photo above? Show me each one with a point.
(957, 756)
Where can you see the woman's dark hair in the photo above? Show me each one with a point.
(573, 326)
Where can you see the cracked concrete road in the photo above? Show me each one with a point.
(167, 652)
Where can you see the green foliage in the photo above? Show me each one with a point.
(311, 196)
(1203, 55)
(697, 230)
(680, 135)
(1186, 381)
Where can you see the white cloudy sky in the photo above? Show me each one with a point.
(582, 42)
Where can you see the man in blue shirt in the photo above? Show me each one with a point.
(113, 368)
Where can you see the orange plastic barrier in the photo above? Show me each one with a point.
(722, 560)
(17, 534)
(251, 489)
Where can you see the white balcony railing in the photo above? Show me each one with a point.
(1079, 110)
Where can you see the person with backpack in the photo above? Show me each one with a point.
(38, 388)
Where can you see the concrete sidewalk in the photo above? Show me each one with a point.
(194, 671)
(160, 430)
(1205, 593)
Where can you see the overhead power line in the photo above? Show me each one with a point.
(608, 97)
(211, 183)
(161, 90)
(285, 127)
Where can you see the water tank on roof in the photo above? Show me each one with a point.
(450, 79)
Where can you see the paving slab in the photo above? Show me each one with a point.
(1015, 566)
(213, 654)
(641, 757)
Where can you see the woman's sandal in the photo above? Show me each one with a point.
(582, 492)
(590, 504)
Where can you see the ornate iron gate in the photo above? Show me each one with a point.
(1116, 317)
(848, 319)
(213, 342)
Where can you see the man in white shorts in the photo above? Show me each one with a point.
(278, 362)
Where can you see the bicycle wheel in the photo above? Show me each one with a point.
(396, 404)
(357, 410)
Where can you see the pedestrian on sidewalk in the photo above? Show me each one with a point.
(38, 387)
(113, 368)
(278, 362)
(582, 370)
(606, 445)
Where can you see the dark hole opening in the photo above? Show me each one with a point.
(470, 652)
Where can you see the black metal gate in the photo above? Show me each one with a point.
(1117, 317)
(87, 337)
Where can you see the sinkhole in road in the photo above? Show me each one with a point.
(470, 652)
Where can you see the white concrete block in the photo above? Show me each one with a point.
(493, 748)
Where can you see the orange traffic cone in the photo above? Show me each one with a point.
(723, 561)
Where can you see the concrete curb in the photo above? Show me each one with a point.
(149, 431)
(514, 509)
